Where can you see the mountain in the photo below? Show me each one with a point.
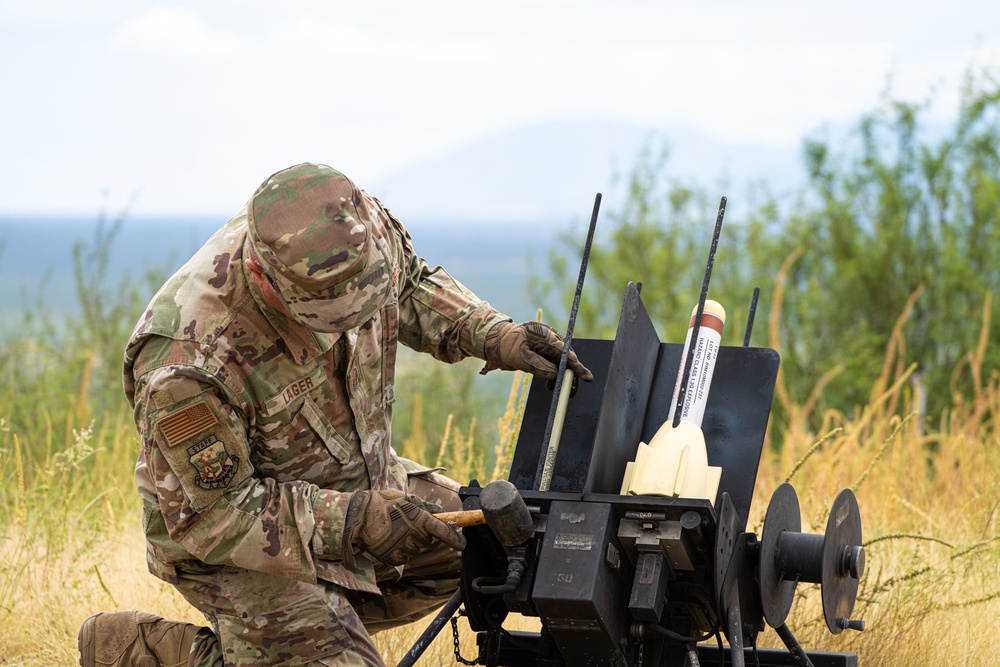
(550, 171)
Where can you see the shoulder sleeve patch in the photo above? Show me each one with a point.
(205, 449)
(184, 424)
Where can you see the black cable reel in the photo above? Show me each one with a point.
(834, 560)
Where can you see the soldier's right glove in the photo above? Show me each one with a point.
(393, 528)
(531, 347)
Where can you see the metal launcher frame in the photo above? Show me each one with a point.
(640, 581)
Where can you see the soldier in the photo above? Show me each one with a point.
(261, 378)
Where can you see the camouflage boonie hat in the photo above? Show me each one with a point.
(313, 231)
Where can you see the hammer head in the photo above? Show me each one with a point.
(506, 514)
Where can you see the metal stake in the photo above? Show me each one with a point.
(682, 394)
(432, 630)
(546, 455)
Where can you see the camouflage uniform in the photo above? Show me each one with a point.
(255, 429)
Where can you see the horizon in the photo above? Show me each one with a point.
(497, 270)
(114, 101)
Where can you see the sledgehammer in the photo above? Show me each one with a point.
(503, 510)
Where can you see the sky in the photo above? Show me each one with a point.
(182, 108)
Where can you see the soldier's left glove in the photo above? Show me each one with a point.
(532, 347)
(393, 528)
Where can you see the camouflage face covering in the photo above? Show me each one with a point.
(313, 230)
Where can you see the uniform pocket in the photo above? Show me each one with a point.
(277, 621)
(307, 447)
(334, 442)
(158, 562)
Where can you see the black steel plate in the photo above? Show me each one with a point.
(631, 373)
(605, 412)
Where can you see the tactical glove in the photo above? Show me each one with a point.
(532, 347)
(393, 528)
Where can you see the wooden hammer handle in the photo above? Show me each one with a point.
(463, 518)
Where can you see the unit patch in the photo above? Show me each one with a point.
(215, 466)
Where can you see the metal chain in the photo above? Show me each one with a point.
(638, 633)
(458, 649)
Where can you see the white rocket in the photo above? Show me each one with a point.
(675, 462)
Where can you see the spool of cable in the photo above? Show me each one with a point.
(835, 560)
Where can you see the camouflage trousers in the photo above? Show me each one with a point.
(262, 619)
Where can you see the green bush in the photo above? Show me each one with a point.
(890, 216)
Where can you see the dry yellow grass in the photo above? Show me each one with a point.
(57, 594)
(929, 496)
(930, 506)
(931, 593)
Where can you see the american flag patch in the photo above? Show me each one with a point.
(180, 426)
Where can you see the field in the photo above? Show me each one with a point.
(71, 544)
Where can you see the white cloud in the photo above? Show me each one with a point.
(180, 31)
(177, 31)
(772, 94)
(323, 37)
(381, 84)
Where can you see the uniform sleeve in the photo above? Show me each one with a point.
(213, 505)
(437, 314)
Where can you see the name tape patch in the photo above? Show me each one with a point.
(291, 392)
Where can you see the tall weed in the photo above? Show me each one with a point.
(928, 496)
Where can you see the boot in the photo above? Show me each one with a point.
(135, 638)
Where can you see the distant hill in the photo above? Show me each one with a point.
(549, 172)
